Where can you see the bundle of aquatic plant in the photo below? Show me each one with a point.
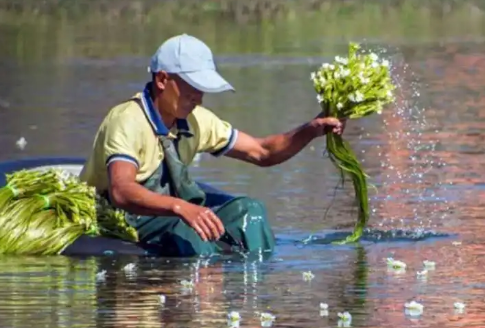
(350, 88)
(43, 212)
(112, 223)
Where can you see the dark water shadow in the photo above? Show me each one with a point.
(374, 236)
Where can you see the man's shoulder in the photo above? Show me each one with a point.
(128, 111)
(202, 114)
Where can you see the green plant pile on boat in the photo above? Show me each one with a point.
(43, 212)
(350, 88)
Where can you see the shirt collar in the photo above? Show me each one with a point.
(155, 119)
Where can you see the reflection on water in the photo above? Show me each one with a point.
(63, 67)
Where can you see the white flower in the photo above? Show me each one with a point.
(325, 65)
(101, 276)
(307, 276)
(459, 305)
(267, 319)
(413, 308)
(336, 75)
(187, 284)
(422, 273)
(385, 63)
(331, 67)
(323, 306)
(345, 316)
(341, 60)
(344, 72)
(233, 316)
(340, 106)
(129, 267)
(364, 80)
(395, 264)
(356, 97)
(374, 65)
(319, 98)
(429, 264)
(21, 143)
(373, 57)
(322, 81)
(389, 93)
(162, 299)
(313, 76)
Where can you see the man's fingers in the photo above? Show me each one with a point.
(208, 220)
(217, 222)
(201, 222)
(200, 231)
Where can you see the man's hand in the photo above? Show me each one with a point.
(201, 219)
(324, 125)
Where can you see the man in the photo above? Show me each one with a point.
(143, 146)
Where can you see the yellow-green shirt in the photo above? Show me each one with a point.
(130, 133)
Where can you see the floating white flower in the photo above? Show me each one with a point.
(414, 308)
(307, 276)
(429, 264)
(267, 319)
(459, 306)
(21, 143)
(233, 319)
(313, 76)
(395, 264)
(325, 65)
(421, 274)
(345, 319)
(187, 284)
(373, 57)
(101, 276)
(385, 63)
(129, 268)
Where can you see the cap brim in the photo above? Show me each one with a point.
(208, 81)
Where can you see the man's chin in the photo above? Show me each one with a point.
(185, 113)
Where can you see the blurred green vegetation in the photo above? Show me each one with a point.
(117, 28)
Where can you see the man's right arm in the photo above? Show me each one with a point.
(127, 194)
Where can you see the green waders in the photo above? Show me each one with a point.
(244, 219)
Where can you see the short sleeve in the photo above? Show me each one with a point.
(215, 135)
(123, 139)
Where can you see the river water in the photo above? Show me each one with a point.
(60, 73)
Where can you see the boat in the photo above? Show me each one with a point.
(94, 245)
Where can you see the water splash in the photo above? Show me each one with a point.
(410, 192)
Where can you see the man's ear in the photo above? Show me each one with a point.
(160, 80)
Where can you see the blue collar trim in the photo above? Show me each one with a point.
(155, 119)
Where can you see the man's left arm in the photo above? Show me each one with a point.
(221, 139)
(276, 149)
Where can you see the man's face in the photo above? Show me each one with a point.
(179, 98)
